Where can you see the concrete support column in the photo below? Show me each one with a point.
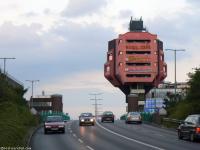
(132, 100)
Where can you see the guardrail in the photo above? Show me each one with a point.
(171, 123)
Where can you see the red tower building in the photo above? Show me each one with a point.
(135, 62)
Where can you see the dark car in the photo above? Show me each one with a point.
(133, 117)
(190, 128)
(86, 119)
(54, 124)
(107, 116)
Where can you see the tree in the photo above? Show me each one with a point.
(194, 82)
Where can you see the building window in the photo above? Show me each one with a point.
(120, 41)
(120, 64)
(120, 52)
(107, 68)
(110, 57)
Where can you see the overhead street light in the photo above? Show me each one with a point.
(175, 82)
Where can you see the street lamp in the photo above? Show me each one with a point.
(5, 58)
(32, 82)
(175, 50)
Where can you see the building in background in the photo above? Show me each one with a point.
(47, 103)
(156, 96)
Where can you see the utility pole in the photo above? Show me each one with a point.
(96, 104)
(4, 63)
(32, 82)
(175, 82)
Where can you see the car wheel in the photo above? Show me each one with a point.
(180, 135)
(126, 122)
(63, 131)
(45, 131)
(113, 121)
(80, 124)
(101, 120)
(192, 138)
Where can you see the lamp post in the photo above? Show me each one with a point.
(175, 82)
(32, 82)
(4, 64)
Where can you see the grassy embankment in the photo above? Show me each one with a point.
(15, 117)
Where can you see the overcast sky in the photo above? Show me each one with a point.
(64, 43)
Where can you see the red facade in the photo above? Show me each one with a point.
(135, 58)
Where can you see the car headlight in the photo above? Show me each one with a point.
(91, 120)
(47, 126)
(82, 120)
(61, 126)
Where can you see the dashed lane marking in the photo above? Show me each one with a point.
(90, 148)
(80, 140)
(74, 135)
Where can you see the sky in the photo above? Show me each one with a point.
(64, 43)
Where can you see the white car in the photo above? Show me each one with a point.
(133, 117)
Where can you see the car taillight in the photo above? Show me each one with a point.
(197, 130)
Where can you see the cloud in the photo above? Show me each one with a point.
(30, 14)
(77, 8)
(91, 80)
(19, 37)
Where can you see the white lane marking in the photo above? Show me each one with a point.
(127, 138)
(90, 148)
(74, 135)
(80, 140)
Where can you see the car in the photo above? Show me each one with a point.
(54, 124)
(190, 128)
(86, 119)
(133, 117)
(107, 116)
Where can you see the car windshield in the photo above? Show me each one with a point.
(86, 115)
(108, 113)
(54, 119)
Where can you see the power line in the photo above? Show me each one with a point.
(96, 104)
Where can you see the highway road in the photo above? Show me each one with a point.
(109, 136)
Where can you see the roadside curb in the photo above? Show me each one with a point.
(32, 132)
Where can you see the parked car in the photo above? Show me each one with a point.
(54, 124)
(133, 117)
(190, 128)
(86, 119)
(107, 116)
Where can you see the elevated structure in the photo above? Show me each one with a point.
(47, 103)
(135, 63)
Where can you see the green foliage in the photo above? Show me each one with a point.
(15, 117)
(191, 105)
(194, 82)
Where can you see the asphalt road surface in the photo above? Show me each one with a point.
(109, 136)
